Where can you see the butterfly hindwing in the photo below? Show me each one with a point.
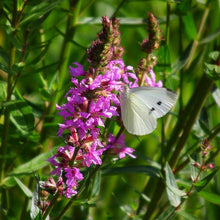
(136, 116)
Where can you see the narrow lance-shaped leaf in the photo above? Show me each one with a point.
(168, 214)
(174, 194)
(190, 27)
(35, 164)
(203, 182)
(194, 170)
(186, 215)
(216, 96)
(24, 188)
(96, 184)
(148, 170)
(21, 115)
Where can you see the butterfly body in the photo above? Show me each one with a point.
(141, 106)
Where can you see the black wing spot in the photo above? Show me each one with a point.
(152, 109)
(159, 103)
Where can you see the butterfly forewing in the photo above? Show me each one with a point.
(142, 105)
(159, 100)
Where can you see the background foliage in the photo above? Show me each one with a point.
(40, 39)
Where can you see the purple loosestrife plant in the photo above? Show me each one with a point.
(92, 100)
(89, 103)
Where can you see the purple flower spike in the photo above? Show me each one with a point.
(118, 147)
(77, 71)
(151, 81)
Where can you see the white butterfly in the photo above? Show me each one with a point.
(141, 106)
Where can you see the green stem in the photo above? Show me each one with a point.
(155, 200)
(195, 42)
(64, 57)
(167, 36)
(184, 125)
(52, 203)
(213, 133)
(184, 116)
(198, 98)
(5, 127)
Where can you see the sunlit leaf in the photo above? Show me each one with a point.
(3, 90)
(212, 69)
(168, 214)
(33, 165)
(210, 37)
(216, 96)
(211, 197)
(174, 194)
(186, 215)
(193, 170)
(24, 188)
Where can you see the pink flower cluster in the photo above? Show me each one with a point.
(92, 100)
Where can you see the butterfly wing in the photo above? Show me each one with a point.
(136, 115)
(158, 100)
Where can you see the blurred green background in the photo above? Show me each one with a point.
(37, 50)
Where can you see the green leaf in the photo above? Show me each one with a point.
(33, 165)
(21, 115)
(142, 195)
(193, 170)
(186, 215)
(216, 96)
(36, 13)
(127, 209)
(40, 56)
(204, 126)
(174, 194)
(3, 90)
(168, 214)
(24, 188)
(6, 69)
(210, 37)
(211, 197)
(148, 170)
(190, 27)
(37, 70)
(214, 56)
(212, 69)
(203, 182)
(8, 182)
(96, 184)
(183, 7)
(164, 60)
